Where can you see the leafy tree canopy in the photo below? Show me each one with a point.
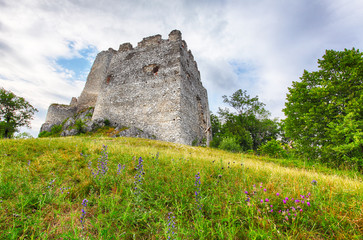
(324, 110)
(15, 112)
(248, 126)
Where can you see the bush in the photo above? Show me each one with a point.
(79, 125)
(230, 144)
(273, 148)
(54, 132)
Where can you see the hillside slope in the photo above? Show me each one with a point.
(128, 188)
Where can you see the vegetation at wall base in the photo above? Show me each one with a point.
(129, 188)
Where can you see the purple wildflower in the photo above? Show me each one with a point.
(197, 192)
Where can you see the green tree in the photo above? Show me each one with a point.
(15, 112)
(249, 125)
(324, 110)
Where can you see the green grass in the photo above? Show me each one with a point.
(44, 181)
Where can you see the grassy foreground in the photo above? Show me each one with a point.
(99, 188)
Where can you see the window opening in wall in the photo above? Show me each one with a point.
(155, 70)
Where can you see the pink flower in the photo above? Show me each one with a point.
(264, 189)
(261, 201)
(277, 194)
(301, 210)
(284, 201)
(308, 203)
(266, 200)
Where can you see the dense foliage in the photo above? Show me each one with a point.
(15, 112)
(324, 110)
(245, 129)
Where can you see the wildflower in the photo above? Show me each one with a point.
(197, 192)
(83, 216)
(314, 182)
(246, 192)
(84, 202)
(277, 194)
(139, 176)
(261, 200)
(271, 210)
(284, 201)
(264, 190)
(308, 203)
(286, 198)
(297, 200)
(266, 200)
(171, 225)
(120, 168)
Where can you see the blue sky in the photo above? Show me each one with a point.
(47, 48)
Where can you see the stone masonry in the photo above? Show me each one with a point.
(154, 87)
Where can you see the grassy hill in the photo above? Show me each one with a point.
(127, 188)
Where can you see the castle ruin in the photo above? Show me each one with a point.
(154, 87)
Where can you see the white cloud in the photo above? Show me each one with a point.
(258, 46)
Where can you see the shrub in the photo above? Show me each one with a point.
(107, 122)
(79, 125)
(55, 131)
(230, 144)
(273, 148)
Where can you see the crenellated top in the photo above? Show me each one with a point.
(155, 40)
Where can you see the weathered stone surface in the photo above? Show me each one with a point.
(70, 132)
(132, 132)
(154, 89)
(46, 127)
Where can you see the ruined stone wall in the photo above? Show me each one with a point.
(57, 113)
(95, 79)
(142, 88)
(155, 87)
(194, 101)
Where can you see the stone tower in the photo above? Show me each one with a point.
(155, 87)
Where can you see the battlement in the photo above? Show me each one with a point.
(155, 87)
